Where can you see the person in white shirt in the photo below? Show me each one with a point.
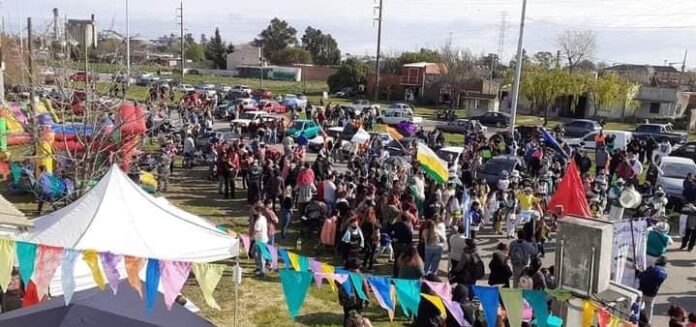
(189, 145)
(260, 236)
(457, 243)
(330, 192)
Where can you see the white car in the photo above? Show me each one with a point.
(333, 133)
(186, 88)
(621, 139)
(358, 106)
(224, 88)
(248, 117)
(400, 106)
(241, 88)
(671, 175)
(393, 117)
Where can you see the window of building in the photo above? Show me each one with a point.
(654, 107)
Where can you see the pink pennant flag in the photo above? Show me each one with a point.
(46, 264)
(314, 265)
(455, 310)
(341, 278)
(110, 263)
(442, 289)
(246, 242)
(173, 277)
(274, 256)
(319, 278)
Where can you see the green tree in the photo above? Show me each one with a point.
(195, 52)
(605, 91)
(544, 59)
(275, 38)
(293, 55)
(424, 55)
(322, 47)
(351, 74)
(216, 50)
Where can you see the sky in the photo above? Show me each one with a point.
(628, 31)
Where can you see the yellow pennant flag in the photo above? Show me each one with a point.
(133, 267)
(437, 302)
(294, 261)
(92, 259)
(208, 276)
(392, 295)
(329, 270)
(614, 321)
(588, 313)
(7, 255)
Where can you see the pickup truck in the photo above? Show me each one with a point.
(659, 132)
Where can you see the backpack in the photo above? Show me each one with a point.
(517, 255)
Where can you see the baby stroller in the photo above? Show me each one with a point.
(313, 217)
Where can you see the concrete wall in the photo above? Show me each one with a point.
(243, 54)
(316, 73)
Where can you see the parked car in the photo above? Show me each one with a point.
(248, 104)
(224, 88)
(493, 118)
(242, 88)
(246, 118)
(580, 127)
(311, 129)
(491, 170)
(659, 132)
(687, 150)
(346, 92)
(621, 139)
(82, 76)
(461, 126)
(671, 175)
(393, 117)
(272, 106)
(451, 155)
(358, 106)
(234, 95)
(293, 101)
(262, 94)
(332, 134)
(185, 88)
(400, 106)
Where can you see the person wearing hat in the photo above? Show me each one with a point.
(650, 281)
(658, 241)
(659, 202)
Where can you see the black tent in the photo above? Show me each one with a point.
(101, 308)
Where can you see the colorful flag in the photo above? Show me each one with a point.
(274, 256)
(152, 278)
(357, 280)
(208, 276)
(133, 267)
(442, 289)
(294, 260)
(570, 194)
(408, 292)
(110, 263)
(588, 313)
(437, 302)
(434, 167)
(551, 142)
(26, 254)
(173, 275)
(537, 299)
(393, 133)
(283, 254)
(513, 302)
(30, 296)
(92, 259)
(456, 312)
(246, 242)
(303, 262)
(67, 268)
(381, 288)
(489, 301)
(295, 285)
(46, 265)
(7, 255)
(603, 317)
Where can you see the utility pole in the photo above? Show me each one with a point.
(181, 25)
(683, 68)
(128, 57)
(30, 47)
(2, 64)
(518, 70)
(379, 48)
(501, 41)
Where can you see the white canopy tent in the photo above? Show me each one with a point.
(117, 216)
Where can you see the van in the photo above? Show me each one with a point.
(621, 139)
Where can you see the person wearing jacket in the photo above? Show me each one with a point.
(650, 281)
(658, 241)
(499, 267)
(690, 228)
(470, 267)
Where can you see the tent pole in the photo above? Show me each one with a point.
(236, 289)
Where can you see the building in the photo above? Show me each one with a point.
(416, 77)
(475, 94)
(665, 76)
(243, 55)
(82, 31)
(659, 102)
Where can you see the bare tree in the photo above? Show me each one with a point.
(461, 66)
(577, 46)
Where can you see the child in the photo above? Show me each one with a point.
(385, 245)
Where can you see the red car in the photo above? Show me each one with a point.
(273, 107)
(262, 94)
(81, 77)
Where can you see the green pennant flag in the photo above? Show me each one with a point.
(295, 285)
(512, 299)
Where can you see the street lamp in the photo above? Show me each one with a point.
(518, 72)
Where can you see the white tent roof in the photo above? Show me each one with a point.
(118, 216)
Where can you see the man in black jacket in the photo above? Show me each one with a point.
(402, 236)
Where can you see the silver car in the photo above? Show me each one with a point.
(671, 175)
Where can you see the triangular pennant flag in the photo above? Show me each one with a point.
(110, 263)
(67, 278)
(408, 292)
(263, 248)
(173, 275)
(588, 313)
(46, 265)
(319, 277)
(603, 317)
(26, 254)
(513, 302)
(341, 278)
(456, 312)
(133, 267)
(152, 278)
(92, 259)
(357, 280)
(283, 254)
(303, 262)
(437, 302)
(295, 285)
(392, 295)
(615, 321)
(537, 299)
(7, 256)
(274, 256)
(246, 242)
(442, 289)
(489, 301)
(30, 296)
(294, 260)
(381, 288)
(314, 265)
(208, 276)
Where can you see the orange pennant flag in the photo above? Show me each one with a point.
(133, 267)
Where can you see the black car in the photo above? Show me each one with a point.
(687, 150)
(492, 169)
(580, 127)
(491, 118)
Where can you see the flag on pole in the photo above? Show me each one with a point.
(434, 167)
(393, 133)
(552, 142)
